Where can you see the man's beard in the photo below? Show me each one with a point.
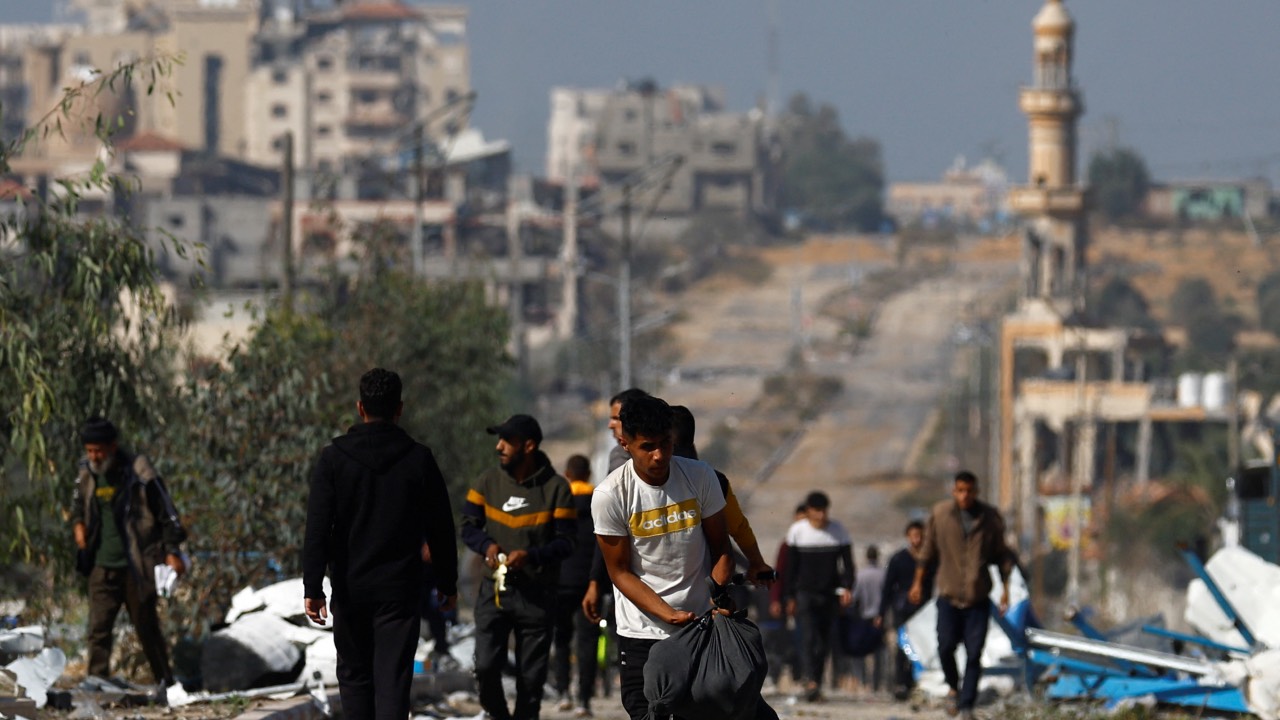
(101, 467)
(514, 462)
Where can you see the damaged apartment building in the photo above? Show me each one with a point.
(336, 102)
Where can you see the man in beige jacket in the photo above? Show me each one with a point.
(962, 537)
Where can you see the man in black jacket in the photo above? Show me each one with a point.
(570, 624)
(375, 494)
(520, 519)
(125, 525)
(897, 607)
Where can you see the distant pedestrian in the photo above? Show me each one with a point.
(599, 585)
(868, 588)
(570, 623)
(375, 495)
(898, 608)
(125, 525)
(758, 569)
(817, 584)
(963, 537)
(520, 518)
(781, 637)
(618, 454)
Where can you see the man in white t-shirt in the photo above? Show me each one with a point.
(659, 522)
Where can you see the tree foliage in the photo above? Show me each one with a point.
(1120, 303)
(1268, 298)
(84, 328)
(1119, 181)
(1210, 330)
(831, 180)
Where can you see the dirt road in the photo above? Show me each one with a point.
(862, 443)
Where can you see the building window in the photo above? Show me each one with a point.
(324, 62)
(626, 148)
(324, 97)
(630, 115)
(177, 221)
(279, 110)
(365, 97)
(723, 148)
(280, 76)
(277, 143)
(323, 131)
(450, 95)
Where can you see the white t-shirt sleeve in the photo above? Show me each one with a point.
(710, 497)
(607, 512)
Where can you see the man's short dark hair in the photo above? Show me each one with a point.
(577, 467)
(913, 525)
(645, 416)
(380, 393)
(964, 476)
(817, 500)
(627, 395)
(873, 553)
(683, 427)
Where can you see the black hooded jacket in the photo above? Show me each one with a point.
(376, 495)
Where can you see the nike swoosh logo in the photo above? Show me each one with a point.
(514, 503)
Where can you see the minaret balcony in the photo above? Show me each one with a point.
(1046, 201)
(1048, 101)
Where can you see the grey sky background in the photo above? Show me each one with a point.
(1190, 84)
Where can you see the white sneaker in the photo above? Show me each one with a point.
(582, 712)
(565, 704)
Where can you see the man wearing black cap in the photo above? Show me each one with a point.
(125, 525)
(377, 497)
(521, 521)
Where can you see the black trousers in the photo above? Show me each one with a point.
(375, 643)
(815, 620)
(633, 653)
(574, 635)
(109, 588)
(967, 625)
(525, 612)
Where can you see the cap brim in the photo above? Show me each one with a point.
(494, 429)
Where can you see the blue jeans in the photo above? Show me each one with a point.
(967, 625)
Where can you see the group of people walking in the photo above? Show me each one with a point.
(552, 545)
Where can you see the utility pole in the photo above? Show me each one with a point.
(624, 294)
(415, 233)
(286, 224)
(569, 258)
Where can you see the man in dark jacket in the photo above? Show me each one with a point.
(520, 519)
(574, 575)
(125, 525)
(375, 494)
(897, 607)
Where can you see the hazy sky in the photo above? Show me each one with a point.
(1190, 84)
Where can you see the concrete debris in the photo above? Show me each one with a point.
(35, 675)
(21, 641)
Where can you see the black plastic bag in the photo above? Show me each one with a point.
(711, 669)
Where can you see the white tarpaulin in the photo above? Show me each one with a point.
(1251, 585)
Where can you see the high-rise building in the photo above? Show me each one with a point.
(351, 82)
